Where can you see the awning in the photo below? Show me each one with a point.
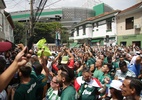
(72, 45)
(95, 40)
(78, 45)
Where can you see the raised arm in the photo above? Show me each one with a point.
(42, 60)
(69, 53)
(8, 74)
(59, 55)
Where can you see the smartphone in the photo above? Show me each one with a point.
(26, 51)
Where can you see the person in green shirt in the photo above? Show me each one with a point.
(19, 61)
(41, 80)
(98, 73)
(77, 68)
(53, 91)
(65, 77)
(27, 87)
(90, 60)
(31, 83)
(105, 78)
(88, 86)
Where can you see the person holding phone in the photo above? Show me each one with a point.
(9, 73)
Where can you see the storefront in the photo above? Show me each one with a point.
(129, 40)
(101, 41)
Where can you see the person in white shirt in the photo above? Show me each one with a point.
(58, 38)
(123, 72)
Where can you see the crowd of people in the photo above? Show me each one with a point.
(84, 73)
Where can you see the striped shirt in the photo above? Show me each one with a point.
(52, 94)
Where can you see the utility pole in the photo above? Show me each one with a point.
(31, 18)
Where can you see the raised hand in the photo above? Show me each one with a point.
(22, 57)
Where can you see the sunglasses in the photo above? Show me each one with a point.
(54, 82)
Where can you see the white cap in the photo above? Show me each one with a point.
(116, 84)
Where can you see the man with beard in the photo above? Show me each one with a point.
(65, 77)
(87, 86)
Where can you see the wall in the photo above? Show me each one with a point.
(2, 35)
(130, 35)
(101, 31)
(138, 1)
(99, 9)
(129, 39)
(121, 24)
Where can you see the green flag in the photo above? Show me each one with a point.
(42, 46)
(40, 43)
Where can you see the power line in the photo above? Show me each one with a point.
(16, 4)
(34, 17)
(40, 9)
(52, 3)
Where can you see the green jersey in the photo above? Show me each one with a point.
(26, 91)
(90, 61)
(68, 93)
(97, 73)
(101, 79)
(31, 90)
(87, 92)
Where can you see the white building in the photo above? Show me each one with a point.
(6, 24)
(95, 29)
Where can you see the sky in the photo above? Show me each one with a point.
(19, 5)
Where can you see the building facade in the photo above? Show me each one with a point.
(129, 26)
(66, 16)
(2, 7)
(6, 24)
(113, 27)
(95, 29)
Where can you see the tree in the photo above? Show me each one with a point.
(19, 32)
(64, 35)
(47, 31)
(41, 30)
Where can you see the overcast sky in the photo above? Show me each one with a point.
(16, 5)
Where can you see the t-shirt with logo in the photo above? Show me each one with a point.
(29, 91)
(26, 91)
(88, 92)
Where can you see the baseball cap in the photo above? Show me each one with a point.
(5, 46)
(116, 84)
(64, 60)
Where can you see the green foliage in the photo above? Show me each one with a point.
(19, 32)
(41, 30)
(47, 31)
(64, 35)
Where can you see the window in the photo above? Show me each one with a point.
(137, 43)
(123, 43)
(72, 32)
(95, 26)
(77, 31)
(109, 28)
(84, 33)
(129, 23)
